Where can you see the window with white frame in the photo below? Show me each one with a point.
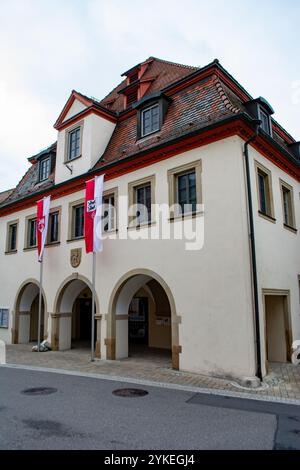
(78, 221)
(12, 232)
(141, 197)
(74, 143)
(109, 212)
(31, 233)
(44, 169)
(288, 205)
(264, 191)
(265, 121)
(150, 120)
(53, 227)
(185, 191)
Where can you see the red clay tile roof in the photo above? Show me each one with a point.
(205, 102)
(30, 184)
(196, 106)
(165, 73)
(4, 195)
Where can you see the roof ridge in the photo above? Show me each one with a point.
(176, 64)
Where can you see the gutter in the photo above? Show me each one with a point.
(94, 171)
(253, 251)
(139, 153)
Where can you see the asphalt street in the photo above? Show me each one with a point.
(83, 413)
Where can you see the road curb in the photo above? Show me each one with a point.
(151, 383)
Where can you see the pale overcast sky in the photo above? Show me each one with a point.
(49, 47)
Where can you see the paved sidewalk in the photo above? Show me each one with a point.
(282, 383)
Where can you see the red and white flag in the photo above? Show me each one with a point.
(42, 217)
(92, 214)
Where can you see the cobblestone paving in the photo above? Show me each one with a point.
(282, 382)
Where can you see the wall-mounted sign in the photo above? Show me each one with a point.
(75, 257)
(4, 317)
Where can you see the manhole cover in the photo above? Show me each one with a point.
(39, 391)
(130, 392)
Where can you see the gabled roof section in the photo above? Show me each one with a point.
(73, 96)
(89, 105)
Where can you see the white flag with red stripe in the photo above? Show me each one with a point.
(92, 214)
(42, 217)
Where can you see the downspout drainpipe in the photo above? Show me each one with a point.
(253, 251)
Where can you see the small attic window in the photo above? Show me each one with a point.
(150, 120)
(265, 121)
(44, 169)
(151, 113)
(262, 110)
(134, 77)
(131, 98)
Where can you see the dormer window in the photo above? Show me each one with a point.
(265, 121)
(44, 169)
(262, 110)
(151, 112)
(74, 144)
(150, 120)
(131, 98)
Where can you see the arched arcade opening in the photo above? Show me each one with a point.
(142, 320)
(25, 328)
(72, 320)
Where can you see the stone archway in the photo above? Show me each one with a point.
(67, 312)
(117, 319)
(25, 320)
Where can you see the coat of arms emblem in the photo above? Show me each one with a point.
(75, 257)
(41, 224)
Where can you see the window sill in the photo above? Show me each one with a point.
(75, 239)
(290, 228)
(267, 217)
(143, 138)
(11, 252)
(4, 327)
(52, 244)
(109, 232)
(30, 248)
(189, 215)
(144, 225)
(66, 162)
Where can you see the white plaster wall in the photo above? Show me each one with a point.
(76, 108)
(278, 253)
(65, 333)
(95, 137)
(101, 132)
(211, 287)
(121, 339)
(24, 329)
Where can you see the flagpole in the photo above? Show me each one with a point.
(40, 304)
(93, 308)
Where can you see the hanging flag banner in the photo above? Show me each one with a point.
(92, 214)
(42, 218)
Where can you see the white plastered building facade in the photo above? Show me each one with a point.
(200, 301)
